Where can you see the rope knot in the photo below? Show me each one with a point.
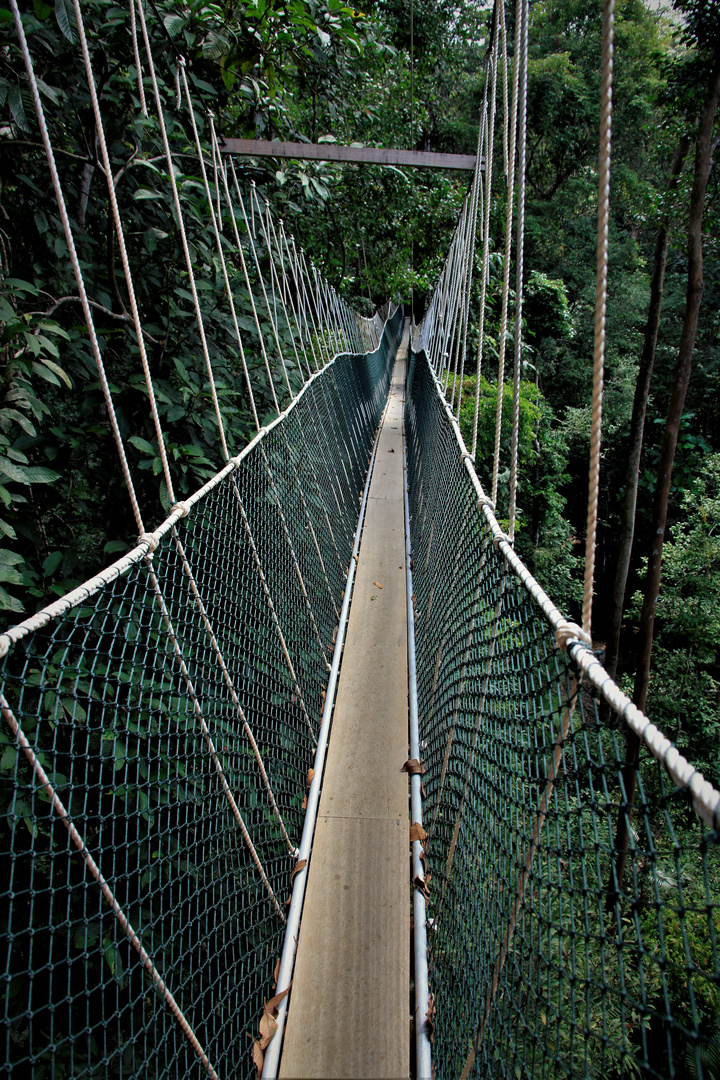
(570, 631)
(485, 500)
(498, 539)
(150, 539)
(181, 507)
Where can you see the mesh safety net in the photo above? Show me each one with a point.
(540, 957)
(125, 703)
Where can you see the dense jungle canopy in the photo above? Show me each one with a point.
(316, 70)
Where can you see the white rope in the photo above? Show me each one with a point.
(506, 262)
(492, 67)
(181, 228)
(117, 221)
(122, 919)
(600, 308)
(215, 220)
(231, 687)
(80, 282)
(273, 613)
(523, 15)
(180, 659)
(705, 798)
(136, 54)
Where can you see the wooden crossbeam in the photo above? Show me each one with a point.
(357, 155)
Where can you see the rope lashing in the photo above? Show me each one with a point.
(566, 632)
(150, 539)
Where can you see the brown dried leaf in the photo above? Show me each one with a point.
(304, 804)
(430, 1017)
(273, 1003)
(335, 634)
(417, 832)
(268, 1027)
(276, 972)
(298, 867)
(310, 776)
(258, 1058)
(377, 584)
(413, 767)
(422, 885)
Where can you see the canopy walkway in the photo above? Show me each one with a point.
(323, 690)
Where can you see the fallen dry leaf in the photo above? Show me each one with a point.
(304, 804)
(430, 1017)
(413, 767)
(417, 832)
(258, 1059)
(335, 634)
(276, 972)
(377, 583)
(273, 1003)
(421, 884)
(268, 1027)
(298, 867)
(310, 776)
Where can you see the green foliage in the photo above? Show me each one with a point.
(544, 538)
(684, 696)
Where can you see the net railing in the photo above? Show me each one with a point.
(543, 960)
(159, 724)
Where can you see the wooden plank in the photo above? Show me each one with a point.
(349, 1008)
(358, 155)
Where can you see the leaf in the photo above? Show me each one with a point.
(273, 1003)
(430, 1017)
(310, 776)
(377, 584)
(258, 1059)
(56, 368)
(141, 444)
(28, 474)
(10, 603)
(413, 767)
(276, 972)
(174, 24)
(17, 108)
(268, 1027)
(298, 867)
(417, 832)
(66, 20)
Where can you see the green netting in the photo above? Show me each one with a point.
(584, 986)
(100, 695)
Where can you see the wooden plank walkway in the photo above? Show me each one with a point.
(350, 1003)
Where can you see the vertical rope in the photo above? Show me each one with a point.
(136, 54)
(523, 5)
(490, 152)
(79, 279)
(506, 261)
(181, 229)
(105, 156)
(600, 307)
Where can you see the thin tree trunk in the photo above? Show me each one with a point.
(637, 423)
(703, 160)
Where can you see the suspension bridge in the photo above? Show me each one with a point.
(316, 780)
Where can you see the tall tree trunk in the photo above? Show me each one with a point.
(637, 423)
(703, 160)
